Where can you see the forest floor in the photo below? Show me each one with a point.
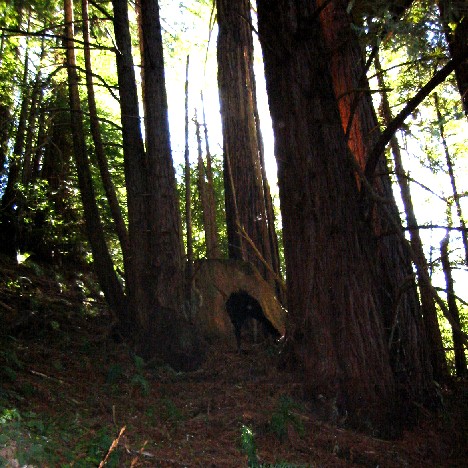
(70, 396)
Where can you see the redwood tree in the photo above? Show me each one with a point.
(334, 297)
(246, 212)
(402, 316)
(155, 279)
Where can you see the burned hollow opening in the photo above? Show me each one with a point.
(241, 307)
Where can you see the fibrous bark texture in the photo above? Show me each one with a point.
(401, 310)
(334, 299)
(245, 203)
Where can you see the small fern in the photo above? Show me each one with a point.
(284, 416)
(248, 446)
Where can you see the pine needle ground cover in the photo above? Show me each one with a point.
(71, 395)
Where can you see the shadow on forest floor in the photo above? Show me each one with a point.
(67, 391)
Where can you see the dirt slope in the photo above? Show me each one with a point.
(67, 390)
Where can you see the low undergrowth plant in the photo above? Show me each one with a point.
(248, 446)
(285, 415)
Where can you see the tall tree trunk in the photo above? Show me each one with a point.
(5, 123)
(458, 344)
(334, 301)
(270, 213)
(453, 183)
(188, 196)
(202, 184)
(156, 277)
(401, 310)
(135, 164)
(35, 102)
(429, 311)
(102, 261)
(209, 211)
(107, 182)
(244, 196)
(41, 142)
(11, 196)
(452, 13)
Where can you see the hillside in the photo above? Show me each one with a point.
(67, 390)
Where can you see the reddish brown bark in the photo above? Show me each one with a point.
(156, 278)
(334, 298)
(401, 314)
(245, 202)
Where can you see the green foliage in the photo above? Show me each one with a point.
(199, 244)
(248, 446)
(34, 439)
(114, 374)
(9, 364)
(25, 436)
(169, 411)
(139, 380)
(95, 450)
(164, 411)
(284, 416)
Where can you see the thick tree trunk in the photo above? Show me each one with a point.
(135, 164)
(156, 277)
(334, 298)
(102, 261)
(401, 310)
(244, 197)
(428, 306)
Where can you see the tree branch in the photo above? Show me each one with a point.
(20, 32)
(379, 148)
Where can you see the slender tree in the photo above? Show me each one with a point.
(455, 23)
(208, 198)
(103, 165)
(101, 257)
(188, 193)
(458, 345)
(451, 172)
(11, 196)
(428, 306)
